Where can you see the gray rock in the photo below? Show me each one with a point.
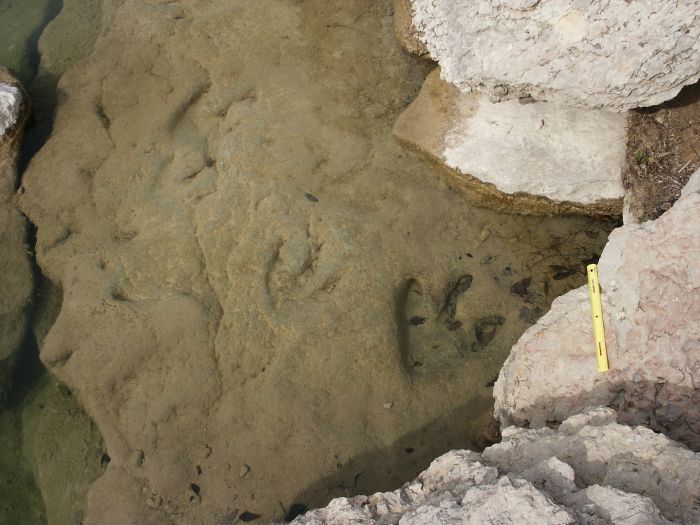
(625, 476)
(614, 506)
(614, 54)
(650, 283)
(552, 475)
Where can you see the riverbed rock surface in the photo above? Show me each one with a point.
(591, 470)
(249, 261)
(534, 157)
(613, 54)
(650, 282)
(15, 269)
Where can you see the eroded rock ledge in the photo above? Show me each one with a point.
(524, 157)
(590, 470)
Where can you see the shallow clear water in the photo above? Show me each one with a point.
(22, 22)
(395, 216)
(49, 449)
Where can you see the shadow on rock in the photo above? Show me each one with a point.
(387, 468)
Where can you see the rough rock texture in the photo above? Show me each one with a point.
(615, 54)
(530, 158)
(591, 471)
(663, 151)
(15, 269)
(650, 281)
(21, 26)
(249, 260)
(405, 32)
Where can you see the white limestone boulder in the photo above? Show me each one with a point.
(614, 54)
(650, 281)
(532, 157)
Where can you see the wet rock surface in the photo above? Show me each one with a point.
(601, 54)
(234, 229)
(528, 157)
(22, 22)
(651, 304)
(16, 278)
(591, 470)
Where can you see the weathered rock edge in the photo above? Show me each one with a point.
(651, 303)
(590, 470)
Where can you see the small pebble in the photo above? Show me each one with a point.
(137, 458)
(485, 234)
(389, 404)
(244, 471)
(154, 501)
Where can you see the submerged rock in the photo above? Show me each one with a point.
(591, 470)
(527, 157)
(234, 229)
(613, 54)
(15, 269)
(650, 282)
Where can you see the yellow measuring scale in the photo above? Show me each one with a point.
(601, 351)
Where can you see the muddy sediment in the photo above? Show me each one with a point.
(267, 299)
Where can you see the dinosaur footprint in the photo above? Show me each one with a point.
(441, 335)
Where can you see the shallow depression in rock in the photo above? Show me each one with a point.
(266, 298)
